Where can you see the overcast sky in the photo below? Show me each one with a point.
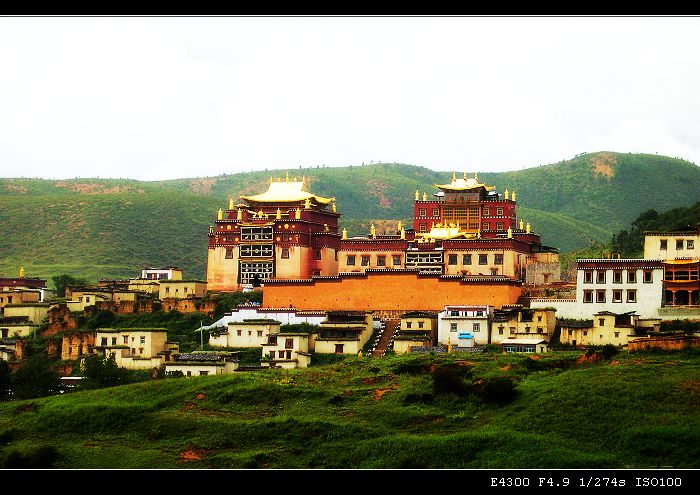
(159, 98)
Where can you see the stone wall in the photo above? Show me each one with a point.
(666, 343)
(75, 344)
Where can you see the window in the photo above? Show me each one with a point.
(475, 327)
(436, 212)
(250, 332)
(87, 299)
(259, 333)
(539, 318)
(422, 228)
(494, 271)
(499, 212)
(617, 277)
(454, 313)
(527, 329)
(617, 334)
(289, 354)
(338, 348)
(140, 350)
(486, 211)
(317, 254)
(632, 295)
(365, 261)
(229, 253)
(422, 212)
(663, 244)
(285, 236)
(648, 278)
(571, 333)
(588, 296)
(483, 260)
(497, 259)
(396, 260)
(114, 341)
(587, 277)
(540, 330)
(142, 339)
(499, 225)
(453, 327)
(104, 341)
(679, 244)
(600, 296)
(126, 339)
(420, 324)
(167, 290)
(203, 373)
(452, 259)
(350, 261)
(617, 296)
(239, 332)
(500, 330)
(280, 354)
(690, 244)
(632, 276)
(600, 277)
(408, 324)
(288, 343)
(381, 260)
(485, 226)
(466, 259)
(189, 373)
(285, 253)
(601, 322)
(585, 333)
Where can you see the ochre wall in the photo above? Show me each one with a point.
(387, 291)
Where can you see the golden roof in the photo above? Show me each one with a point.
(464, 183)
(440, 232)
(285, 191)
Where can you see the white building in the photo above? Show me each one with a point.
(524, 345)
(613, 285)
(464, 326)
(169, 273)
(247, 333)
(286, 316)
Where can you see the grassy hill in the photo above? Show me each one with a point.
(112, 227)
(638, 411)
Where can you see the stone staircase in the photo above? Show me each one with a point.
(386, 338)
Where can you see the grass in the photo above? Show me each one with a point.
(638, 411)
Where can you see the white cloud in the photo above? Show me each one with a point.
(157, 98)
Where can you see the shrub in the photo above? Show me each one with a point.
(497, 390)
(449, 379)
(608, 351)
(41, 458)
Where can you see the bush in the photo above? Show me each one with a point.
(608, 351)
(41, 458)
(497, 390)
(35, 378)
(449, 379)
(100, 372)
(413, 367)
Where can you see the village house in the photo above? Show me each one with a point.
(344, 332)
(524, 345)
(416, 329)
(246, 333)
(202, 363)
(288, 350)
(604, 328)
(34, 312)
(465, 325)
(181, 289)
(516, 322)
(135, 348)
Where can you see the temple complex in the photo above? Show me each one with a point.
(465, 231)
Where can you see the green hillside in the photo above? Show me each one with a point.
(638, 411)
(112, 227)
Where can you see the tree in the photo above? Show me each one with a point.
(102, 372)
(5, 380)
(60, 283)
(35, 378)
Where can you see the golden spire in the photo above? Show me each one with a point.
(21, 272)
(297, 213)
(230, 202)
(506, 193)
(522, 225)
(425, 197)
(325, 227)
(239, 214)
(333, 208)
(510, 232)
(399, 226)
(345, 233)
(403, 233)
(286, 179)
(527, 228)
(307, 204)
(512, 197)
(417, 194)
(220, 214)
(372, 231)
(279, 214)
(211, 229)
